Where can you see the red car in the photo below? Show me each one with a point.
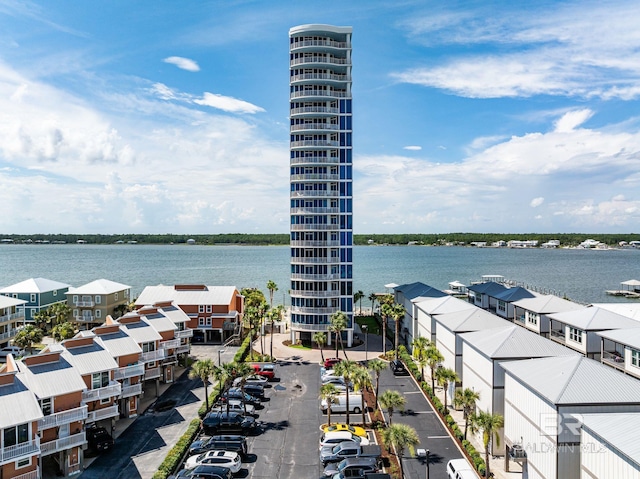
(331, 362)
(265, 369)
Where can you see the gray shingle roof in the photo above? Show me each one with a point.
(575, 380)
(594, 319)
(619, 430)
(18, 404)
(211, 295)
(34, 285)
(511, 342)
(476, 319)
(547, 303)
(51, 379)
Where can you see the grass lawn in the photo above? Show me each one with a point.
(370, 321)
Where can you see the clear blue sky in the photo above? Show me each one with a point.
(171, 117)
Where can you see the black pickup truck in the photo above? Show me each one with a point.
(99, 439)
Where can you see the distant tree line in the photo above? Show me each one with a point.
(462, 239)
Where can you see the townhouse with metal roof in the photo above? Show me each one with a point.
(484, 294)
(407, 295)
(59, 388)
(167, 329)
(215, 312)
(628, 309)
(450, 326)
(505, 300)
(579, 329)
(544, 399)
(533, 313)
(91, 303)
(427, 309)
(19, 440)
(39, 294)
(620, 349)
(484, 352)
(609, 446)
(183, 332)
(11, 316)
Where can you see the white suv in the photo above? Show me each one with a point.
(7, 350)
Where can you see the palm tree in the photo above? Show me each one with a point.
(272, 287)
(446, 376)
(42, 318)
(241, 370)
(489, 425)
(401, 436)
(338, 324)
(361, 381)
(329, 393)
(391, 401)
(61, 312)
(434, 358)
(346, 369)
(203, 369)
(220, 375)
(419, 349)
(377, 367)
(62, 331)
(27, 336)
(386, 311)
(320, 339)
(251, 313)
(357, 296)
(262, 312)
(466, 399)
(397, 313)
(373, 297)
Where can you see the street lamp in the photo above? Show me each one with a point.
(366, 340)
(220, 351)
(427, 463)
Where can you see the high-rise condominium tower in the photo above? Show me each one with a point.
(321, 178)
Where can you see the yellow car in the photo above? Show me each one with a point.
(357, 430)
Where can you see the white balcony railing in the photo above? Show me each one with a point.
(305, 310)
(184, 348)
(310, 327)
(84, 317)
(35, 474)
(152, 356)
(314, 126)
(314, 294)
(319, 43)
(22, 450)
(315, 176)
(314, 143)
(84, 304)
(8, 335)
(315, 109)
(153, 373)
(316, 93)
(319, 76)
(131, 390)
(129, 371)
(113, 389)
(311, 193)
(170, 344)
(63, 417)
(11, 317)
(185, 333)
(104, 413)
(63, 443)
(318, 59)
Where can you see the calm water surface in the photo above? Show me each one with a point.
(582, 275)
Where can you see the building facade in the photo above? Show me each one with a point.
(91, 303)
(321, 178)
(39, 294)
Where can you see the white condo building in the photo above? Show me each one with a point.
(321, 178)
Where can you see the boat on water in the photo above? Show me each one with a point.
(628, 289)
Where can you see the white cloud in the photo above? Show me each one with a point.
(412, 148)
(573, 119)
(536, 202)
(227, 103)
(183, 63)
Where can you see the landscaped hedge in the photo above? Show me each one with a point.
(243, 350)
(475, 456)
(177, 453)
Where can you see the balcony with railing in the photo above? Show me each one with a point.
(314, 294)
(310, 327)
(315, 227)
(314, 110)
(183, 348)
(35, 474)
(520, 319)
(111, 390)
(319, 59)
(323, 244)
(614, 359)
(184, 333)
(8, 335)
(314, 211)
(311, 310)
(170, 344)
(315, 277)
(558, 335)
(153, 373)
(129, 371)
(319, 260)
(87, 318)
(314, 193)
(104, 413)
(84, 303)
(315, 143)
(63, 443)
(19, 451)
(314, 160)
(315, 177)
(131, 390)
(12, 317)
(305, 77)
(319, 43)
(63, 417)
(152, 356)
(330, 93)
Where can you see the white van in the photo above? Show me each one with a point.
(355, 404)
(460, 469)
(332, 438)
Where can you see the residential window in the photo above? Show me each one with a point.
(105, 401)
(201, 308)
(115, 296)
(23, 462)
(46, 405)
(98, 299)
(33, 298)
(532, 317)
(16, 435)
(55, 292)
(98, 313)
(201, 321)
(502, 306)
(100, 380)
(575, 335)
(75, 299)
(635, 358)
(209, 320)
(147, 347)
(208, 308)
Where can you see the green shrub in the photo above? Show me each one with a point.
(243, 350)
(450, 421)
(177, 452)
(213, 398)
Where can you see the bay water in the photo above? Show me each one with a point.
(581, 275)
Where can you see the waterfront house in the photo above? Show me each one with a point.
(183, 332)
(484, 352)
(450, 326)
(621, 350)
(38, 293)
(483, 294)
(215, 312)
(533, 313)
(609, 446)
(544, 399)
(59, 389)
(11, 316)
(407, 295)
(131, 370)
(93, 302)
(21, 413)
(505, 300)
(628, 308)
(578, 329)
(427, 309)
